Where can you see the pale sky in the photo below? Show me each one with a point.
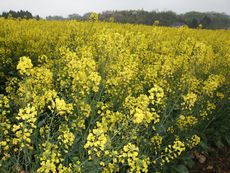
(65, 7)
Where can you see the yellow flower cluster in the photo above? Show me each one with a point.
(156, 95)
(130, 154)
(189, 101)
(109, 118)
(157, 141)
(105, 97)
(207, 110)
(194, 141)
(66, 138)
(5, 127)
(24, 64)
(140, 111)
(49, 158)
(79, 72)
(93, 17)
(36, 87)
(186, 122)
(96, 143)
(213, 83)
(25, 127)
(61, 106)
(172, 151)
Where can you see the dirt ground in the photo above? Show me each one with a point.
(215, 161)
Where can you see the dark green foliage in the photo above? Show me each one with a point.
(19, 14)
(208, 20)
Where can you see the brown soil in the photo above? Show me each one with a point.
(215, 161)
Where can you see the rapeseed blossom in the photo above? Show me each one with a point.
(105, 97)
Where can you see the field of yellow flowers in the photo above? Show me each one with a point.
(104, 97)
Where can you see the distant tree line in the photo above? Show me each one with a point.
(208, 20)
(19, 14)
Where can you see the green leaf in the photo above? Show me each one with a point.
(227, 138)
(41, 123)
(187, 160)
(204, 146)
(219, 144)
(181, 169)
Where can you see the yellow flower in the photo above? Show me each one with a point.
(24, 64)
(186, 122)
